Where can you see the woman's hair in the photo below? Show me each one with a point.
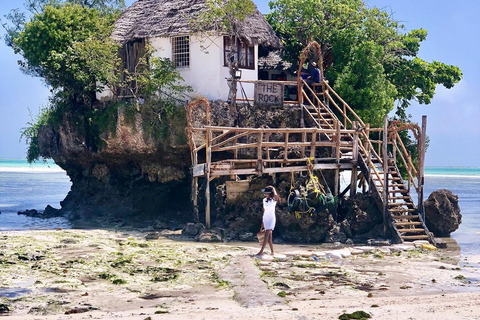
(271, 193)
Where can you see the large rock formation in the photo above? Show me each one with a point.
(442, 213)
(122, 174)
(126, 172)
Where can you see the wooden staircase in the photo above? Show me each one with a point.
(400, 212)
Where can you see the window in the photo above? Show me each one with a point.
(244, 55)
(181, 51)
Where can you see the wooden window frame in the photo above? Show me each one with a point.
(242, 48)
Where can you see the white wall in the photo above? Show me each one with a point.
(206, 73)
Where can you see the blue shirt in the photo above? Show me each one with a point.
(316, 75)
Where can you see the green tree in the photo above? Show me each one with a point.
(371, 62)
(69, 46)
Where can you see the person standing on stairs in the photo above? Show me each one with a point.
(268, 221)
(314, 75)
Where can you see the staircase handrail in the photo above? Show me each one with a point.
(345, 105)
(409, 166)
(363, 133)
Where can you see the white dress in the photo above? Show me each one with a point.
(269, 214)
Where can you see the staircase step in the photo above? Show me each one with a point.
(397, 210)
(409, 223)
(417, 237)
(403, 191)
(396, 185)
(399, 198)
(406, 216)
(398, 204)
(413, 230)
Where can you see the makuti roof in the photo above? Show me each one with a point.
(167, 18)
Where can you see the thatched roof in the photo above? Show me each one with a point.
(273, 61)
(166, 18)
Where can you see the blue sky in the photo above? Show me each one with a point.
(453, 117)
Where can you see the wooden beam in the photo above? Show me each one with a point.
(421, 166)
(385, 173)
(207, 171)
(353, 179)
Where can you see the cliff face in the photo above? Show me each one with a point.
(124, 173)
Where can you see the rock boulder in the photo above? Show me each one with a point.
(442, 213)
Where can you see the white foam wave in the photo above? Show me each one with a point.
(31, 169)
(452, 176)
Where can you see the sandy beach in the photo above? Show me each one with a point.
(100, 274)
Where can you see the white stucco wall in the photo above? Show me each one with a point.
(206, 73)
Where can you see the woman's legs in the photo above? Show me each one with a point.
(270, 242)
(266, 239)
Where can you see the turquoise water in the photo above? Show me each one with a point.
(24, 186)
(465, 183)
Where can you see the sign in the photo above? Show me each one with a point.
(269, 93)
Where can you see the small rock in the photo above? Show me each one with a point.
(152, 236)
(212, 235)
(441, 244)
(247, 236)
(375, 242)
(30, 213)
(51, 212)
(4, 308)
(192, 229)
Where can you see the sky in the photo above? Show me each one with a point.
(453, 117)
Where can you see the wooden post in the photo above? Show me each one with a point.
(207, 176)
(267, 139)
(285, 156)
(353, 180)
(259, 154)
(299, 90)
(369, 152)
(302, 118)
(385, 173)
(337, 142)
(195, 189)
(337, 181)
(408, 170)
(313, 147)
(421, 166)
(304, 139)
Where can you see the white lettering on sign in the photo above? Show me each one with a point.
(268, 93)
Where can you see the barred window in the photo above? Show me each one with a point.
(181, 51)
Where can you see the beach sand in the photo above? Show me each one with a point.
(101, 274)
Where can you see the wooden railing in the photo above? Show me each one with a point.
(367, 142)
(266, 150)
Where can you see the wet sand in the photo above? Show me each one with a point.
(99, 274)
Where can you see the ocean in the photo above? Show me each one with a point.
(24, 186)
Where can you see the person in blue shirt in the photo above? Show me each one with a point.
(315, 74)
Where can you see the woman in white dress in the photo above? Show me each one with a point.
(268, 220)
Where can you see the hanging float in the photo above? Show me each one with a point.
(313, 198)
